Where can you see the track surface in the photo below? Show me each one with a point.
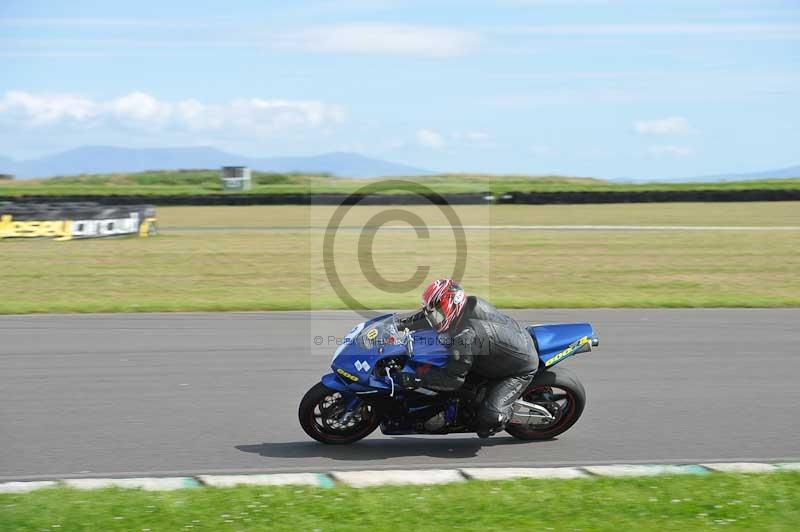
(157, 394)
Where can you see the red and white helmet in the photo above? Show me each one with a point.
(442, 301)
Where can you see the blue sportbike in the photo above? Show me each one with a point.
(360, 395)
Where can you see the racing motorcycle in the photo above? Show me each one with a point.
(360, 394)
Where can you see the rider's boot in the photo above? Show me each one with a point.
(492, 427)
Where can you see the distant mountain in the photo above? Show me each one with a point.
(109, 159)
(789, 171)
(781, 173)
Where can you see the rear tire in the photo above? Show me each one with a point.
(320, 416)
(548, 384)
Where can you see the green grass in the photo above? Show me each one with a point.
(182, 182)
(240, 269)
(740, 502)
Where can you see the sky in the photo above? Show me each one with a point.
(639, 89)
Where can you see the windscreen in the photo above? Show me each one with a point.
(380, 333)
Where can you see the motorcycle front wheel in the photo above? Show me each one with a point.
(562, 394)
(323, 417)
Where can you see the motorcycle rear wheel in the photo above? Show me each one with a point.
(321, 414)
(558, 390)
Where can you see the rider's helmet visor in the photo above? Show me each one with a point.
(435, 316)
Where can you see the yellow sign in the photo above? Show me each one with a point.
(58, 229)
(70, 229)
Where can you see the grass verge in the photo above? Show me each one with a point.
(741, 502)
(270, 258)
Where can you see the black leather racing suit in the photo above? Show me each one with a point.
(488, 343)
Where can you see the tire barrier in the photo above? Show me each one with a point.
(518, 198)
(74, 221)
(268, 199)
(650, 196)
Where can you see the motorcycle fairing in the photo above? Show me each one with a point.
(354, 366)
(334, 382)
(558, 341)
(430, 349)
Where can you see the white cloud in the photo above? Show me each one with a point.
(670, 151)
(42, 110)
(113, 37)
(99, 22)
(430, 139)
(426, 41)
(103, 37)
(138, 107)
(650, 30)
(251, 116)
(664, 126)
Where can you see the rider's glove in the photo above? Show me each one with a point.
(407, 381)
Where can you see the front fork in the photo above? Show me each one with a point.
(353, 403)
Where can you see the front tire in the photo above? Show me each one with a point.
(558, 390)
(322, 417)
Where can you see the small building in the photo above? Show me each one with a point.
(235, 178)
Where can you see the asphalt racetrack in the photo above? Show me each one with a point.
(162, 394)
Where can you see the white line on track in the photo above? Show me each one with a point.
(612, 227)
(178, 229)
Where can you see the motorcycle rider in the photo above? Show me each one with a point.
(481, 340)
